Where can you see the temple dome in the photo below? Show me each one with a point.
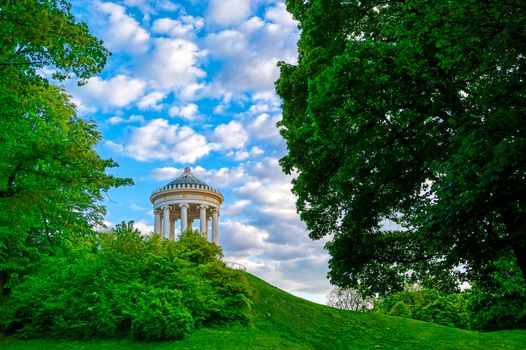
(187, 178)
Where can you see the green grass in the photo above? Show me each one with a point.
(284, 321)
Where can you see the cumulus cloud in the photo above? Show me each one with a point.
(252, 49)
(242, 239)
(264, 127)
(184, 27)
(228, 12)
(143, 227)
(118, 91)
(82, 107)
(235, 208)
(160, 140)
(120, 120)
(174, 65)
(245, 154)
(188, 112)
(151, 101)
(227, 44)
(123, 32)
(231, 135)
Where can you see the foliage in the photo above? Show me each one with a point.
(51, 178)
(283, 321)
(120, 284)
(499, 301)
(427, 305)
(405, 125)
(348, 299)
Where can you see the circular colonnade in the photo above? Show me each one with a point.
(185, 200)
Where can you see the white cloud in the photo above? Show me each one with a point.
(235, 208)
(188, 112)
(227, 44)
(252, 49)
(243, 155)
(81, 107)
(279, 14)
(173, 65)
(184, 27)
(242, 239)
(264, 127)
(168, 5)
(151, 100)
(231, 135)
(228, 12)
(118, 91)
(160, 140)
(119, 120)
(165, 173)
(123, 32)
(143, 227)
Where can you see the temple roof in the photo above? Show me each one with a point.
(186, 182)
(187, 178)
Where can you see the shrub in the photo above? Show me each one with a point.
(146, 288)
(427, 305)
(499, 302)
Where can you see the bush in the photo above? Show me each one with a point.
(146, 288)
(427, 305)
(499, 302)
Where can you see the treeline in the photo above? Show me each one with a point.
(496, 302)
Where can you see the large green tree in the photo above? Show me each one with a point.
(405, 123)
(51, 178)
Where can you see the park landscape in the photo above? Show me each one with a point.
(405, 141)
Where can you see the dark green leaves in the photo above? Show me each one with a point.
(409, 112)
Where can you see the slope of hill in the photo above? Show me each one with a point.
(284, 321)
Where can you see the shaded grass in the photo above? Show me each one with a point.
(284, 321)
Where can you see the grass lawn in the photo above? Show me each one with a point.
(284, 321)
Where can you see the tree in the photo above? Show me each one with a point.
(51, 179)
(406, 113)
(348, 299)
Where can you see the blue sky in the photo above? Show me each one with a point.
(191, 83)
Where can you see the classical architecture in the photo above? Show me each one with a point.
(184, 200)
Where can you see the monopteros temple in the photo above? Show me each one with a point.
(183, 201)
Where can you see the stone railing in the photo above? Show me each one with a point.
(185, 186)
(235, 266)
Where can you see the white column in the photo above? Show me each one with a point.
(202, 219)
(184, 217)
(215, 226)
(166, 222)
(157, 222)
(172, 230)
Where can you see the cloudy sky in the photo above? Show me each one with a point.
(191, 83)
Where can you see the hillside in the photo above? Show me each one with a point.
(284, 321)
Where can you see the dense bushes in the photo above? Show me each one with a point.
(120, 284)
(499, 301)
(496, 302)
(427, 305)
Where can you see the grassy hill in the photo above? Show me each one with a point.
(284, 321)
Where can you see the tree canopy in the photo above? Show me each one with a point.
(51, 178)
(405, 124)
